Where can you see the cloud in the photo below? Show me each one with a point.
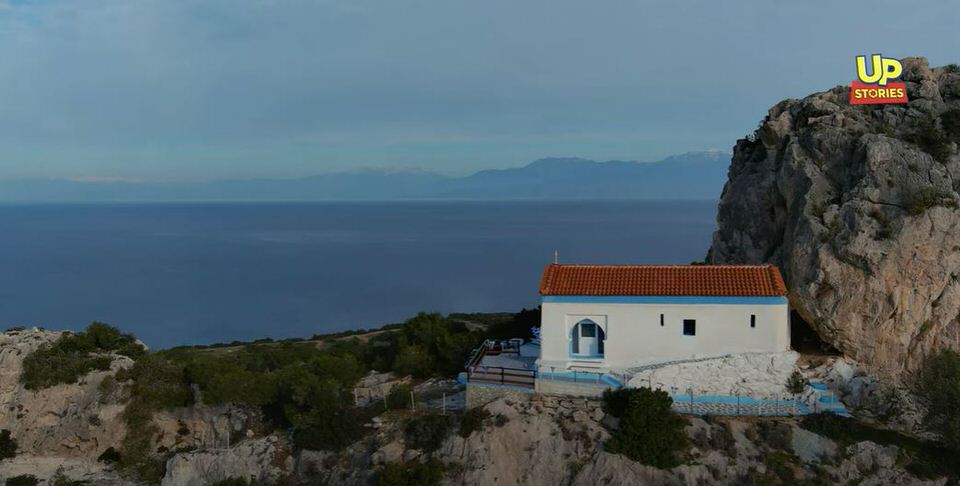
(147, 88)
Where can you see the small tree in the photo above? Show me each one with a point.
(473, 421)
(22, 480)
(399, 396)
(412, 473)
(8, 446)
(427, 432)
(796, 383)
(940, 388)
(650, 431)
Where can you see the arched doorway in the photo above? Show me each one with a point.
(587, 339)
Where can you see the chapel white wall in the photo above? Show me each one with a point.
(634, 335)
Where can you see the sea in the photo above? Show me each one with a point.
(175, 274)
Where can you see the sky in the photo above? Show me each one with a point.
(212, 89)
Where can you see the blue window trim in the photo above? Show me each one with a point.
(665, 299)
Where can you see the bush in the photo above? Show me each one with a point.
(156, 384)
(886, 229)
(931, 140)
(923, 459)
(332, 430)
(412, 473)
(473, 421)
(413, 359)
(109, 456)
(8, 446)
(925, 198)
(940, 388)
(430, 344)
(74, 355)
(796, 383)
(235, 482)
(399, 396)
(520, 325)
(61, 479)
(951, 123)
(650, 432)
(22, 480)
(427, 432)
(615, 401)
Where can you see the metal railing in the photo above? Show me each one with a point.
(477, 373)
(502, 375)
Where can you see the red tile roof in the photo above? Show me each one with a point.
(673, 280)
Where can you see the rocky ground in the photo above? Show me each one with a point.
(528, 440)
(551, 440)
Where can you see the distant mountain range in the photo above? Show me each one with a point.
(695, 175)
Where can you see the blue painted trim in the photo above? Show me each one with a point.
(586, 356)
(570, 376)
(527, 389)
(662, 299)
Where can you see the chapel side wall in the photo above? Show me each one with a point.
(634, 333)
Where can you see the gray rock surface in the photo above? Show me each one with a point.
(70, 420)
(263, 461)
(857, 205)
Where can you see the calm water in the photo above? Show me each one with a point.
(175, 274)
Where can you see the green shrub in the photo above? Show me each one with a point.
(399, 396)
(952, 68)
(931, 140)
(109, 456)
(61, 479)
(8, 446)
(796, 383)
(236, 482)
(650, 432)
(472, 421)
(951, 124)
(74, 355)
(940, 388)
(430, 344)
(412, 473)
(332, 430)
(922, 458)
(783, 465)
(886, 226)
(519, 325)
(155, 384)
(22, 480)
(426, 432)
(413, 359)
(923, 199)
(615, 401)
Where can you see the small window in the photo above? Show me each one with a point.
(753, 320)
(689, 327)
(588, 329)
(661, 320)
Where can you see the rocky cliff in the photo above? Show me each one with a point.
(525, 439)
(858, 205)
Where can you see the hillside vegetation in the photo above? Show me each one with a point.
(302, 386)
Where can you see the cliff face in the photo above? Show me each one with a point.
(858, 205)
(64, 420)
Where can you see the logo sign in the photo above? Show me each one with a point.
(876, 82)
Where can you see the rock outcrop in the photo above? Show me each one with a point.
(858, 205)
(545, 440)
(71, 421)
